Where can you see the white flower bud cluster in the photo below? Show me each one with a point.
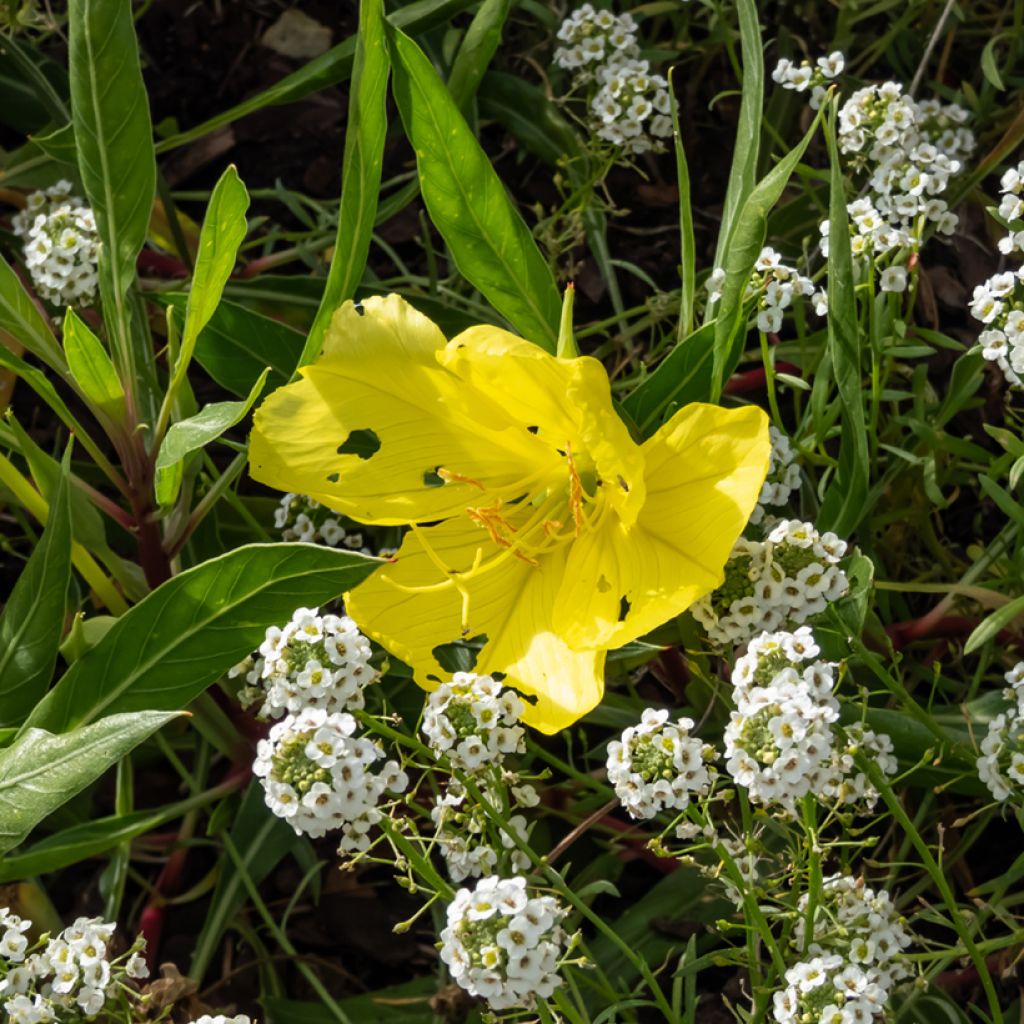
(805, 75)
(591, 38)
(60, 244)
(842, 780)
(1011, 209)
(783, 580)
(220, 1018)
(70, 976)
(1001, 765)
(473, 722)
(300, 518)
(658, 765)
(319, 776)
(999, 304)
(314, 661)
(466, 838)
(910, 150)
(502, 945)
(774, 285)
(782, 480)
(857, 957)
(779, 738)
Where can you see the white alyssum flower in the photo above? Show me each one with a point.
(805, 75)
(301, 518)
(60, 244)
(590, 38)
(220, 1018)
(320, 776)
(774, 286)
(631, 108)
(313, 661)
(1011, 209)
(658, 765)
(473, 722)
(502, 944)
(783, 580)
(893, 279)
(782, 480)
(1001, 764)
(998, 304)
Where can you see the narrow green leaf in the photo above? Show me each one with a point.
(59, 144)
(22, 320)
(92, 369)
(989, 67)
(467, 202)
(361, 170)
(196, 432)
(41, 771)
(991, 626)
(33, 617)
(687, 269)
(476, 51)
(844, 504)
(115, 144)
(163, 652)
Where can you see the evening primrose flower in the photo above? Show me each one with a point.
(537, 527)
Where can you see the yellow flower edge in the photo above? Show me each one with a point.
(538, 528)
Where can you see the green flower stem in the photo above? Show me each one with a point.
(814, 880)
(282, 940)
(769, 378)
(420, 864)
(938, 877)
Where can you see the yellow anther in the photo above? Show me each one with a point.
(575, 491)
(450, 477)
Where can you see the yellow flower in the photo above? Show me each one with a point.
(537, 524)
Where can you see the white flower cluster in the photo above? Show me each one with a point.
(70, 975)
(779, 739)
(1011, 209)
(999, 304)
(319, 776)
(473, 722)
(774, 285)
(629, 105)
(911, 149)
(785, 579)
(220, 1018)
(592, 38)
(782, 480)
(805, 75)
(59, 242)
(503, 945)
(658, 765)
(1001, 765)
(300, 518)
(857, 957)
(464, 835)
(315, 661)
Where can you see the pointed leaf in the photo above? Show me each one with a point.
(92, 369)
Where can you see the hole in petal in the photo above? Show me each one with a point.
(431, 479)
(333, 478)
(358, 307)
(362, 443)
(533, 430)
(459, 655)
(624, 606)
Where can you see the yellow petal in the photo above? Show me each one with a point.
(379, 380)
(704, 470)
(512, 605)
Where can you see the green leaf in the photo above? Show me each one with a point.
(361, 169)
(33, 618)
(59, 144)
(488, 239)
(262, 841)
(162, 653)
(476, 51)
(989, 68)
(688, 278)
(844, 503)
(196, 432)
(408, 1003)
(41, 771)
(21, 319)
(223, 230)
(115, 142)
(91, 368)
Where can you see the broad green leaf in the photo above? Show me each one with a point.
(262, 841)
(223, 230)
(477, 50)
(163, 652)
(196, 432)
(743, 172)
(328, 69)
(33, 617)
(91, 368)
(41, 771)
(361, 165)
(22, 320)
(745, 243)
(844, 503)
(115, 144)
(488, 239)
